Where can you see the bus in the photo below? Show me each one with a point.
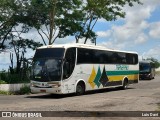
(77, 68)
(146, 70)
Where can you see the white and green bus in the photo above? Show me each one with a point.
(77, 68)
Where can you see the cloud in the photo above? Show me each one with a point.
(155, 30)
(154, 52)
(135, 24)
(111, 45)
(136, 29)
(136, 14)
(102, 20)
(4, 60)
(122, 33)
(142, 38)
(33, 34)
(103, 33)
(65, 40)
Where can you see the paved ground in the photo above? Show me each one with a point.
(144, 96)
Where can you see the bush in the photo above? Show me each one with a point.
(5, 92)
(3, 82)
(24, 90)
(16, 78)
(13, 78)
(3, 75)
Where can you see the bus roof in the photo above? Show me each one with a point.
(77, 45)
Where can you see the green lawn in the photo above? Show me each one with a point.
(158, 107)
(157, 72)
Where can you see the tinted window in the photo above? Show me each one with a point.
(107, 57)
(49, 53)
(121, 58)
(85, 56)
(132, 58)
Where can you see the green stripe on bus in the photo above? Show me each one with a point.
(110, 73)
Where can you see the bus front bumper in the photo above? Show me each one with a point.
(145, 76)
(46, 90)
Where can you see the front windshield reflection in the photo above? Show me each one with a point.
(47, 70)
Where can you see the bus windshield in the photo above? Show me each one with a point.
(47, 65)
(145, 68)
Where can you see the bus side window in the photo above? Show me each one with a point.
(69, 62)
(85, 56)
(132, 58)
(122, 58)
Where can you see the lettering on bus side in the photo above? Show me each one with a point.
(122, 67)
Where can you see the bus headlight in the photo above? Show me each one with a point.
(149, 75)
(32, 85)
(55, 85)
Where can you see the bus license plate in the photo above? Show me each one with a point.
(43, 91)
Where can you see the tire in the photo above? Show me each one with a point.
(125, 84)
(150, 78)
(80, 89)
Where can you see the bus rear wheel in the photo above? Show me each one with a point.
(125, 84)
(80, 89)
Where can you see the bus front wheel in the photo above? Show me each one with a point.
(80, 89)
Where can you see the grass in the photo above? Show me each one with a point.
(158, 109)
(23, 90)
(5, 92)
(3, 82)
(157, 72)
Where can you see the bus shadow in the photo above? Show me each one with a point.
(57, 96)
(50, 96)
(146, 79)
(105, 90)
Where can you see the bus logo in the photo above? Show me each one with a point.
(122, 67)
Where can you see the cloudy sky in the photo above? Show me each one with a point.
(139, 31)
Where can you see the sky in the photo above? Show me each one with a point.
(139, 31)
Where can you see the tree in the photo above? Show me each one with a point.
(6, 21)
(60, 18)
(20, 46)
(12, 25)
(55, 18)
(93, 10)
(154, 62)
(12, 15)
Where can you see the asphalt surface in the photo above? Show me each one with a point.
(144, 96)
